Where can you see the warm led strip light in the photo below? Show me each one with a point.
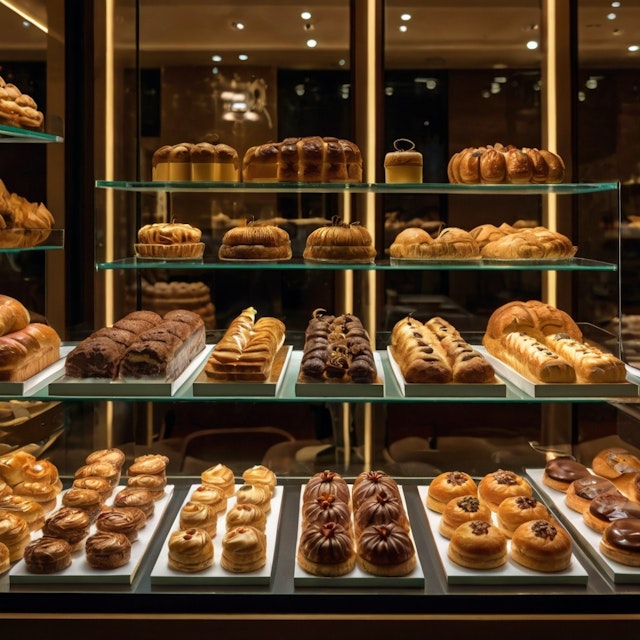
(23, 13)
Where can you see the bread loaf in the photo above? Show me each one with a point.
(13, 315)
(452, 243)
(28, 351)
(539, 243)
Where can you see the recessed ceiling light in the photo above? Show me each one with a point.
(532, 45)
(243, 56)
(633, 48)
(611, 16)
(311, 43)
(405, 17)
(403, 28)
(216, 58)
(615, 5)
(306, 15)
(238, 26)
(342, 62)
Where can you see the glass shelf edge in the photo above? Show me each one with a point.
(14, 134)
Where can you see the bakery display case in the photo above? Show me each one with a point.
(413, 430)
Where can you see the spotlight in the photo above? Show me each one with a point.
(532, 45)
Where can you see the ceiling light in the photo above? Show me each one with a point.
(532, 45)
(591, 83)
(342, 62)
(311, 43)
(611, 16)
(238, 26)
(243, 56)
(403, 28)
(405, 17)
(306, 15)
(615, 5)
(633, 48)
(216, 58)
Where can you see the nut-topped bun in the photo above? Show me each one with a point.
(501, 484)
(190, 551)
(215, 497)
(446, 486)
(246, 514)
(386, 550)
(254, 494)
(199, 515)
(460, 510)
(542, 546)
(326, 550)
(340, 242)
(478, 545)
(47, 554)
(169, 240)
(517, 510)
(255, 241)
(244, 549)
(259, 474)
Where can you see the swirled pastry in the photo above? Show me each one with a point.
(199, 515)
(190, 551)
(244, 549)
(219, 476)
(107, 550)
(69, 524)
(246, 514)
(47, 554)
(255, 241)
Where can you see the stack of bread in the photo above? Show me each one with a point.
(26, 347)
(435, 352)
(307, 159)
(200, 161)
(337, 348)
(169, 241)
(340, 242)
(248, 348)
(497, 518)
(545, 344)
(500, 164)
(18, 109)
(366, 526)
(142, 344)
(255, 241)
(23, 224)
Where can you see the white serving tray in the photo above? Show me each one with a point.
(216, 575)
(590, 539)
(39, 381)
(357, 577)
(496, 389)
(510, 573)
(137, 387)
(80, 572)
(205, 386)
(341, 389)
(537, 389)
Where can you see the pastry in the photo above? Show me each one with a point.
(69, 524)
(326, 507)
(219, 476)
(160, 163)
(30, 511)
(113, 455)
(94, 483)
(629, 485)
(5, 489)
(149, 464)
(560, 472)
(327, 482)
(107, 550)
(41, 471)
(213, 496)
(614, 461)
(5, 562)
(380, 509)
(154, 483)
(261, 475)
(255, 241)
(14, 533)
(404, 164)
(143, 499)
(125, 520)
(28, 351)
(190, 551)
(583, 490)
(254, 494)
(477, 545)
(446, 486)
(13, 315)
(340, 242)
(101, 469)
(460, 510)
(537, 243)
(326, 550)
(199, 515)
(88, 500)
(246, 514)
(244, 549)
(517, 510)
(11, 465)
(371, 483)
(47, 554)
(180, 162)
(173, 240)
(608, 507)
(542, 546)
(621, 541)
(494, 487)
(41, 492)
(386, 550)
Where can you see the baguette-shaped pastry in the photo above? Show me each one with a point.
(468, 364)
(13, 315)
(28, 351)
(418, 352)
(236, 336)
(591, 364)
(531, 357)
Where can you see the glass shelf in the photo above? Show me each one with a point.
(17, 237)
(575, 264)
(15, 134)
(357, 187)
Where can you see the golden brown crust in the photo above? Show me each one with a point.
(219, 476)
(477, 545)
(215, 497)
(460, 510)
(13, 315)
(30, 511)
(246, 514)
(494, 487)
(447, 486)
(614, 461)
(340, 241)
(70, 524)
(28, 351)
(516, 510)
(107, 550)
(190, 551)
(14, 533)
(244, 549)
(199, 515)
(542, 546)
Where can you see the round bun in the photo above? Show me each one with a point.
(213, 496)
(113, 455)
(517, 510)
(477, 545)
(446, 486)
(607, 507)
(107, 550)
(255, 241)
(326, 550)
(68, 524)
(560, 472)
(135, 497)
(460, 510)
(386, 550)
(501, 484)
(190, 551)
(126, 520)
(340, 242)
(542, 546)
(621, 541)
(244, 549)
(583, 490)
(613, 462)
(30, 511)
(47, 555)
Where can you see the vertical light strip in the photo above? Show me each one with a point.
(551, 143)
